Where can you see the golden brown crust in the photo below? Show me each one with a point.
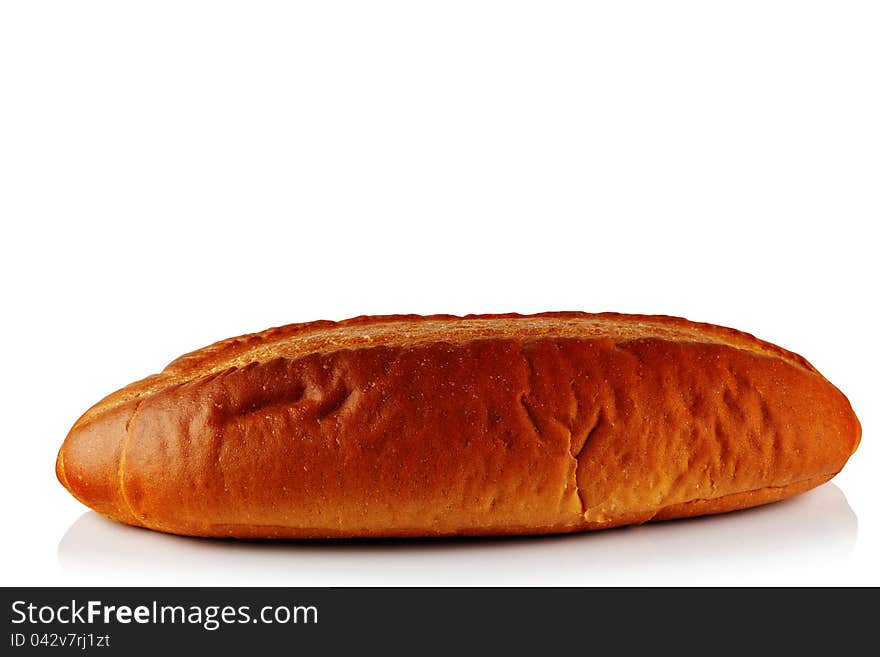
(441, 425)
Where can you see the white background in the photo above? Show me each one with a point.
(174, 173)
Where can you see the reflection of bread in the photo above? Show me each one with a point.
(490, 424)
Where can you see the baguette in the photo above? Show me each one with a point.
(486, 424)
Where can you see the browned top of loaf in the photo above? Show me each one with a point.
(323, 336)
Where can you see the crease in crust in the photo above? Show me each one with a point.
(530, 413)
(820, 479)
(573, 452)
(588, 436)
(575, 411)
(62, 472)
(123, 451)
(531, 379)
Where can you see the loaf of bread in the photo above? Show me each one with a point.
(487, 424)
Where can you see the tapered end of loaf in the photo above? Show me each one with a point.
(844, 431)
(855, 431)
(89, 462)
